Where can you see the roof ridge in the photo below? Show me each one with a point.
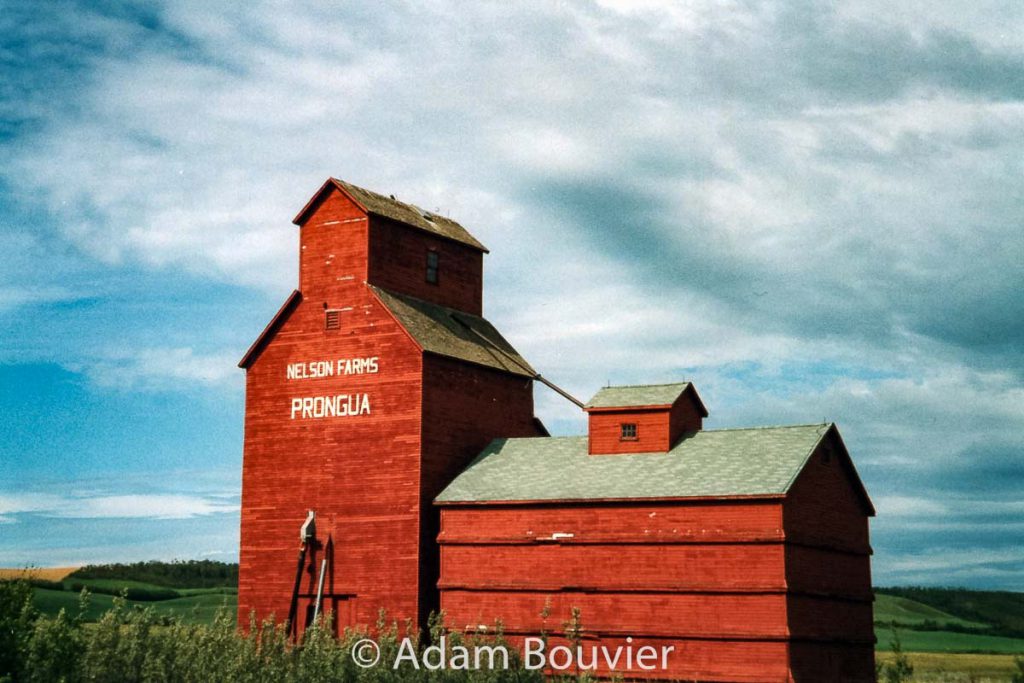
(391, 198)
(392, 209)
(757, 427)
(630, 386)
(547, 438)
(400, 295)
(807, 456)
(453, 333)
(759, 461)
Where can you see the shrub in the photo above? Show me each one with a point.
(17, 621)
(900, 669)
(133, 643)
(1018, 677)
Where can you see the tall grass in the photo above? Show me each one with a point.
(132, 643)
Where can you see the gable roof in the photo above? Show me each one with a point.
(644, 395)
(389, 207)
(447, 332)
(261, 341)
(756, 462)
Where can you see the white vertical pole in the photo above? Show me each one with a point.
(319, 589)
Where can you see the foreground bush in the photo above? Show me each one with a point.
(134, 644)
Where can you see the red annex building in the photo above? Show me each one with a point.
(379, 398)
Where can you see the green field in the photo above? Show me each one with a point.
(948, 641)
(950, 648)
(197, 605)
(890, 608)
(118, 584)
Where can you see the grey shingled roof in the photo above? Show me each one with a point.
(637, 395)
(448, 332)
(728, 462)
(409, 214)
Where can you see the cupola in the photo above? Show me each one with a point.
(647, 418)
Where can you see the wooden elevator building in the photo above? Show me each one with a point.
(380, 398)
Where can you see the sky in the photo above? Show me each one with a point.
(812, 210)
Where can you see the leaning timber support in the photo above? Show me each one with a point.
(307, 535)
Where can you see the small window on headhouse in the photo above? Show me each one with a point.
(628, 431)
(432, 267)
(332, 319)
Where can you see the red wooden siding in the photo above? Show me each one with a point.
(832, 661)
(721, 579)
(829, 562)
(826, 572)
(398, 262)
(824, 506)
(371, 478)
(360, 473)
(465, 407)
(609, 613)
(652, 429)
(667, 566)
(685, 416)
(708, 578)
(640, 522)
(658, 428)
(707, 661)
(332, 249)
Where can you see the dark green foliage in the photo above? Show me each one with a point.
(900, 669)
(931, 625)
(177, 574)
(49, 585)
(1003, 610)
(134, 643)
(53, 652)
(1018, 677)
(17, 620)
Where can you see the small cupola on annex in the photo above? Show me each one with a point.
(644, 418)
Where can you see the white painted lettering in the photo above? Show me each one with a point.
(315, 369)
(340, 405)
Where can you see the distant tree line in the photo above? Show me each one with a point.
(1003, 611)
(176, 574)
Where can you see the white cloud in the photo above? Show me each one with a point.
(941, 560)
(162, 368)
(151, 506)
(812, 211)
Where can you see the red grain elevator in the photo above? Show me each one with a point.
(380, 398)
(372, 387)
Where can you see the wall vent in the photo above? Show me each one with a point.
(332, 319)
